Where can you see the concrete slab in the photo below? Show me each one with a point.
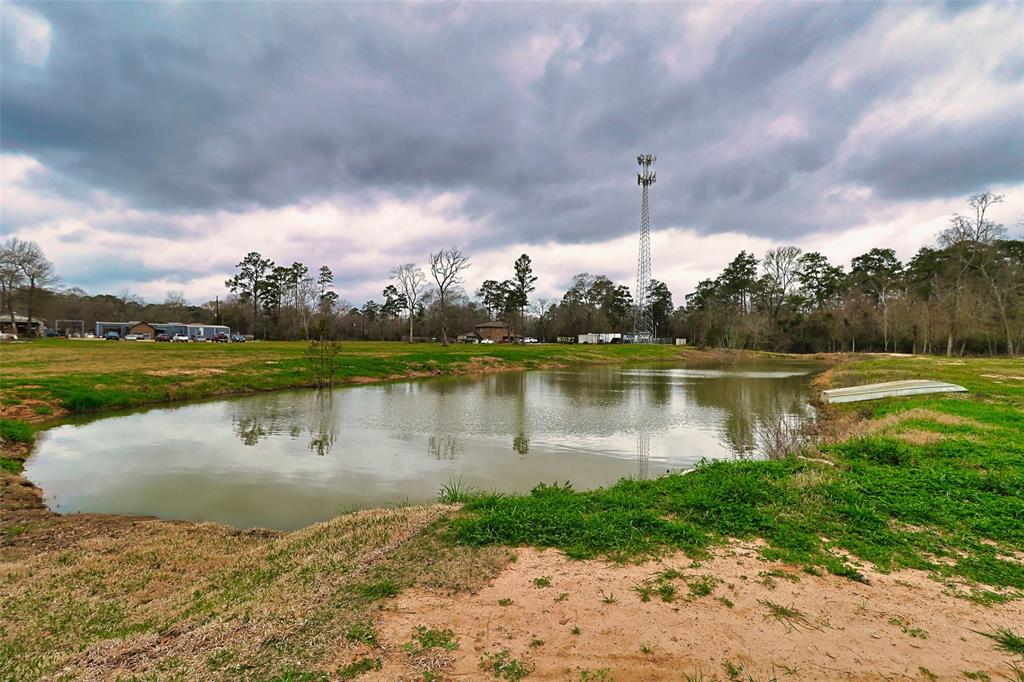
(888, 389)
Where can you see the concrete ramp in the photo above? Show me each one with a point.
(889, 389)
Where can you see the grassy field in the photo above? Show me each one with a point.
(934, 483)
(83, 376)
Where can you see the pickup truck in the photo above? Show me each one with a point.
(180, 338)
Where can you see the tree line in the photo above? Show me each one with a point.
(963, 294)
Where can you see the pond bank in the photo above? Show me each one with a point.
(358, 447)
(930, 488)
(44, 382)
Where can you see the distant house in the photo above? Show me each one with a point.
(143, 329)
(495, 331)
(21, 326)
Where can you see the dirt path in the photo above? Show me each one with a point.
(902, 626)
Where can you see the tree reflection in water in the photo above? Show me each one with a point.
(443, 447)
(739, 403)
(257, 418)
(324, 420)
(521, 444)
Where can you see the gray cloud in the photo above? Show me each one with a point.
(986, 153)
(203, 107)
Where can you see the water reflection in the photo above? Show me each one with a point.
(443, 447)
(324, 420)
(643, 455)
(312, 453)
(521, 444)
(740, 401)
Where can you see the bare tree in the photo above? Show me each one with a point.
(11, 276)
(975, 239)
(781, 267)
(411, 281)
(542, 308)
(447, 266)
(38, 274)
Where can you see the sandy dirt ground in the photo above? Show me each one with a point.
(900, 626)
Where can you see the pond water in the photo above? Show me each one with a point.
(287, 459)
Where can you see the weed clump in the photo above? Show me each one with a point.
(503, 666)
(15, 431)
(430, 638)
(381, 589)
(789, 616)
(358, 667)
(455, 491)
(1007, 640)
(363, 632)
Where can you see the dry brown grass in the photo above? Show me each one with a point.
(919, 437)
(98, 357)
(202, 601)
(842, 426)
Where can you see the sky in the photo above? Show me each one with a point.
(148, 146)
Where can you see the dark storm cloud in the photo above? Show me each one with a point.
(904, 166)
(196, 107)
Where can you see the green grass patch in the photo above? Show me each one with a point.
(359, 667)
(882, 500)
(425, 638)
(362, 631)
(380, 589)
(11, 466)
(503, 667)
(15, 431)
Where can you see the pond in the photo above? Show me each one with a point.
(286, 459)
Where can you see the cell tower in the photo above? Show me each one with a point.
(643, 325)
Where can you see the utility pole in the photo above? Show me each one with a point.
(643, 328)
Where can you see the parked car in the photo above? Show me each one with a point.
(131, 337)
(180, 338)
(90, 335)
(221, 337)
(51, 334)
(162, 337)
(112, 336)
(237, 338)
(486, 340)
(7, 336)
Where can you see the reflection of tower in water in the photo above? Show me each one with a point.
(643, 454)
